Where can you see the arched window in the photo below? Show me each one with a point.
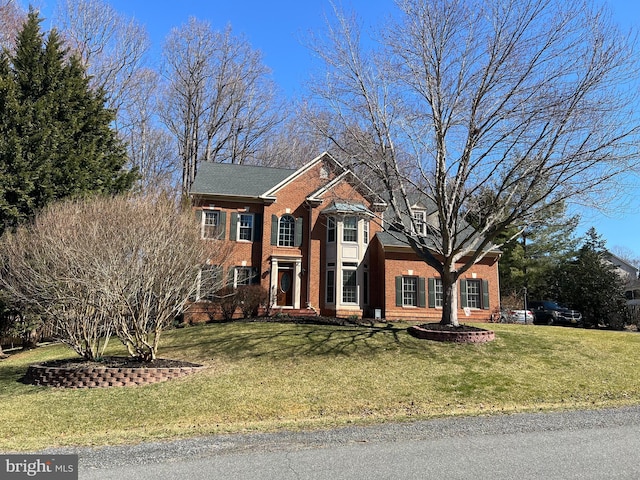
(286, 231)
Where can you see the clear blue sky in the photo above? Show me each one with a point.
(275, 27)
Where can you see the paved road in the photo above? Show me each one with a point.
(602, 444)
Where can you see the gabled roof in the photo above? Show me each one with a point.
(323, 157)
(237, 180)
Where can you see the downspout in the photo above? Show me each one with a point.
(308, 273)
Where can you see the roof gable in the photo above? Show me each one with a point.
(323, 157)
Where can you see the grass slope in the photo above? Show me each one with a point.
(268, 376)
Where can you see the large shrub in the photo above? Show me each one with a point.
(122, 265)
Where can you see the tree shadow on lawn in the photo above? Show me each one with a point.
(288, 340)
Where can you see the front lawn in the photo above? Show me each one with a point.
(269, 376)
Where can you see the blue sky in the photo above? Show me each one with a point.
(276, 28)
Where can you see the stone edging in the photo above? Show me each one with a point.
(100, 377)
(480, 336)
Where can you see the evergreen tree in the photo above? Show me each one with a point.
(531, 259)
(56, 135)
(590, 284)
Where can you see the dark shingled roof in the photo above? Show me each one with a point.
(234, 179)
(346, 207)
(396, 239)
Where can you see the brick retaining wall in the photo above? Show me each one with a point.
(100, 377)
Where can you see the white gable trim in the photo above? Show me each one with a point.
(301, 171)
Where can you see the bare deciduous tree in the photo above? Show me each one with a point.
(123, 265)
(219, 101)
(11, 18)
(111, 46)
(503, 108)
(151, 148)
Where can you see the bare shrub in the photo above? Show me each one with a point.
(125, 265)
(251, 298)
(228, 301)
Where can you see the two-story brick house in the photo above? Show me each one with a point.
(313, 238)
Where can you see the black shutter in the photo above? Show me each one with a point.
(298, 232)
(421, 292)
(257, 227)
(274, 230)
(398, 291)
(223, 225)
(485, 294)
(233, 228)
(432, 293)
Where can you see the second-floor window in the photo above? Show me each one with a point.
(286, 231)
(245, 226)
(331, 230)
(210, 222)
(350, 229)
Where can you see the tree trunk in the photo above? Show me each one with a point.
(449, 300)
(30, 339)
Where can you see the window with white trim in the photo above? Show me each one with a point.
(474, 294)
(350, 229)
(420, 220)
(349, 286)
(331, 286)
(286, 231)
(245, 226)
(245, 276)
(210, 281)
(438, 292)
(210, 222)
(365, 231)
(409, 291)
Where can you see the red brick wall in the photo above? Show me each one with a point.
(401, 263)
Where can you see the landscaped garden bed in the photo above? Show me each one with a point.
(111, 372)
(449, 333)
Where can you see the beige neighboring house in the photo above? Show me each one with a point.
(629, 273)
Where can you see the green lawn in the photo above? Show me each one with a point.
(269, 376)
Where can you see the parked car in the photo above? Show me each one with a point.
(510, 315)
(550, 313)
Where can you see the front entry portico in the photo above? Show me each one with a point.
(285, 282)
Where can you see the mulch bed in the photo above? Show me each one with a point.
(450, 328)
(448, 333)
(116, 362)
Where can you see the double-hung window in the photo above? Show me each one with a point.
(210, 281)
(350, 229)
(409, 291)
(210, 222)
(474, 294)
(245, 226)
(245, 276)
(349, 286)
(438, 292)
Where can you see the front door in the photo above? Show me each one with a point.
(285, 286)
